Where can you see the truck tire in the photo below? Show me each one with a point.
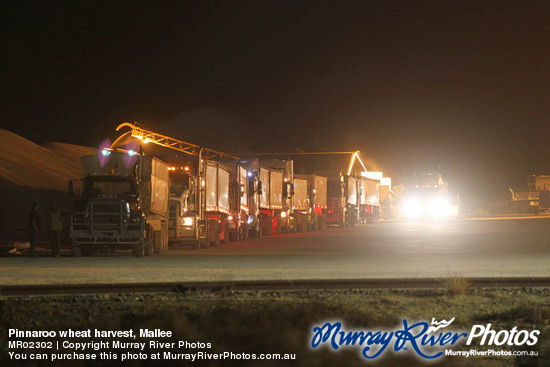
(158, 244)
(138, 249)
(206, 243)
(215, 243)
(75, 250)
(256, 231)
(147, 250)
(196, 245)
(225, 236)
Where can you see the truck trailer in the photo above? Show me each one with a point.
(539, 193)
(122, 204)
(369, 200)
(276, 196)
(310, 202)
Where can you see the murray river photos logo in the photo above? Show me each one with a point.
(426, 340)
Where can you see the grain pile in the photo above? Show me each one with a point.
(30, 172)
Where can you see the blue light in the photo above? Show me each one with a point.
(249, 174)
(132, 153)
(105, 152)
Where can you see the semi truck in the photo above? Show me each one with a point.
(353, 200)
(122, 204)
(200, 204)
(426, 197)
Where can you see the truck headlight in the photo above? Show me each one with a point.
(135, 218)
(283, 214)
(187, 221)
(412, 208)
(438, 207)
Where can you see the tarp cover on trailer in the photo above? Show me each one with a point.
(223, 190)
(276, 196)
(117, 163)
(370, 191)
(217, 188)
(352, 190)
(300, 194)
(211, 188)
(159, 194)
(264, 197)
(320, 191)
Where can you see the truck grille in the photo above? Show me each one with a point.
(107, 207)
(106, 216)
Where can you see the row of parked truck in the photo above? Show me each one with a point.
(130, 200)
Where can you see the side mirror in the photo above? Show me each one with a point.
(70, 187)
(75, 187)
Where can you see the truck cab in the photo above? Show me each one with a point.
(184, 220)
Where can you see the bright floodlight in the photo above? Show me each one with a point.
(132, 153)
(188, 221)
(105, 152)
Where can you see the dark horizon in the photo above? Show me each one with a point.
(413, 85)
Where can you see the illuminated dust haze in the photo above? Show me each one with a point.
(459, 86)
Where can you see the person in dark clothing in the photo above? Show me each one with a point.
(55, 226)
(34, 227)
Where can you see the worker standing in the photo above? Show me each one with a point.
(34, 227)
(55, 226)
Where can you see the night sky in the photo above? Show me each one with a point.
(459, 85)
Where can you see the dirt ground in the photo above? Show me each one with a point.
(282, 322)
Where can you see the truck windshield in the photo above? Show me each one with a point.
(179, 183)
(427, 179)
(109, 186)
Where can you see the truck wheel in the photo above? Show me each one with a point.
(75, 250)
(256, 232)
(147, 249)
(205, 243)
(138, 249)
(225, 236)
(196, 245)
